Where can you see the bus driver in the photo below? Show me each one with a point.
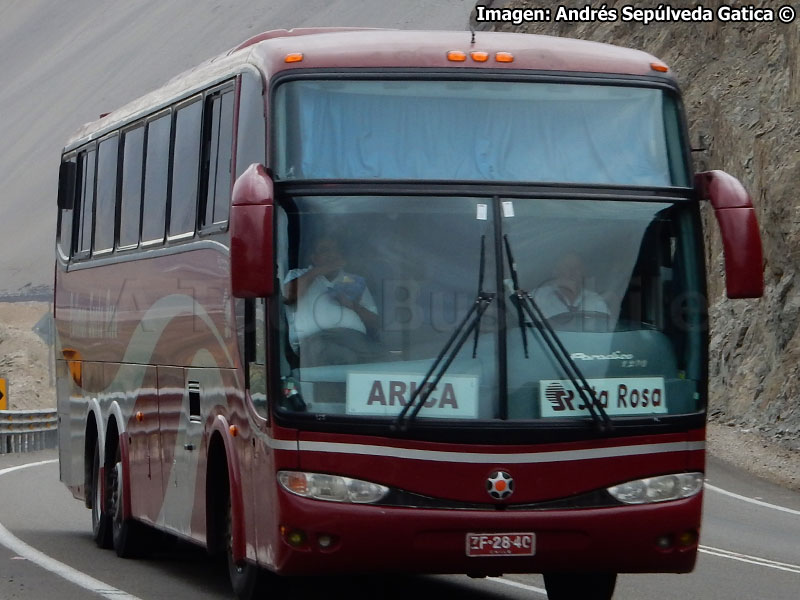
(331, 313)
(566, 292)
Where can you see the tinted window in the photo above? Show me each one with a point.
(518, 131)
(219, 139)
(66, 215)
(185, 170)
(155, 179)
(131, 203)
(106, 194)
(87, 200)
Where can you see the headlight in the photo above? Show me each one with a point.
(658, 489)
(331, 487)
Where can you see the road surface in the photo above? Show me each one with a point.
(749, 551)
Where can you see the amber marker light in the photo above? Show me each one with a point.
(293, 57)
(295, 482)
(504, 57)
(456, 56)
(140, 416)
(73, 358)
(660, 67)
(479, 56)
(688, 538)
(234, 430)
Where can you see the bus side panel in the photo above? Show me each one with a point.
(217, 394)
(173, 415)
(139, 383)
(71, 430)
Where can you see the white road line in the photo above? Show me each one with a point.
(111, 593)
(753, 560)
(714, 488)
(79, 578)
(519, 585)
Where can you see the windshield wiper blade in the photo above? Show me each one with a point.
(526, 303)
(470, 322)
(516, 299)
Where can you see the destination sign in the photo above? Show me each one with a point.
(386, 394)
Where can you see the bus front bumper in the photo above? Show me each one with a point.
(317, 537)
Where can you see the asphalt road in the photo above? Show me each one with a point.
(749, 551)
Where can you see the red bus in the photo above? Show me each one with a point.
(388, 301)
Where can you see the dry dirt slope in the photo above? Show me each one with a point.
(24, 358)
(741, 85)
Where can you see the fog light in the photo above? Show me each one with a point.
(295, 537)
(664, 542)
(325, 541)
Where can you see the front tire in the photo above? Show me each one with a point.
(101, 522)
(580, 586)
(246, 579)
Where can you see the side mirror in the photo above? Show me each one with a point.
(252, 260)
(744, 274)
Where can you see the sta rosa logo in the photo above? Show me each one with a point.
(627, 396)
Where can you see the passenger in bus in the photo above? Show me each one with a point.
(332, 315)
(566, 294)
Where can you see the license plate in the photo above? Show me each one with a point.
(501, 544)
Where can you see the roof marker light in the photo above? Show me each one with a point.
(504, 57)
(293, 57)
(479, 56)
(660, 67)
(456, 56)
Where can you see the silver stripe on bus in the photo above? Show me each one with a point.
(281, 444)
(145, 252)
(510, 458)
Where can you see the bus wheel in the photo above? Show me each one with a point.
(129, 537)
(245, 577)
(580, 586)
(101, 529)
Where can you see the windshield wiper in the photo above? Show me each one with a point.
(525, 302)
(471, 322)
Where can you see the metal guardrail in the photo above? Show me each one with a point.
(27, 430)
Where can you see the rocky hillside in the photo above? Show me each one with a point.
(741, 86)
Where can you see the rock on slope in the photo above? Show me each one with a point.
(741, 87)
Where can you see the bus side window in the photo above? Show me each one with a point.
(217, 157)
(67, 189)
(156, 173)
(185, 168)
(105, 211)
(131, 200)
(86, 167)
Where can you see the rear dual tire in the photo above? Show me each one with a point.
(101, 523)
(110, 529)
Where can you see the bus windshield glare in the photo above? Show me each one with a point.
(373, 288)
(477, 131)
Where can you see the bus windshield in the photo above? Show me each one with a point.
(373, 288)
(507, 131)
